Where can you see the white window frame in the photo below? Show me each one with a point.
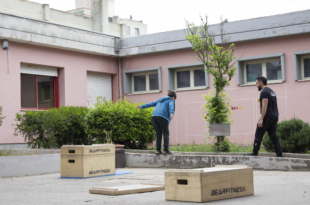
(264, 70)
(302, 67)
(137, 29)
(147, 83)
(128, 34)
(192, 83)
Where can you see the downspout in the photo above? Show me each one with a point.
(122, 79)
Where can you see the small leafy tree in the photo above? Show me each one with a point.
(216, 54)
(1, 117)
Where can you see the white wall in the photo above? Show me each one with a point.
(37, 11)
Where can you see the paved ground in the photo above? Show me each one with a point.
(271, 187)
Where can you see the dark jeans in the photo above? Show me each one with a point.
(269, 125)
(162, 128)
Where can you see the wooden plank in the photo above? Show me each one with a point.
(232, 166)
(186, 170)
(132, 189)
(162, 185)
(105, 189)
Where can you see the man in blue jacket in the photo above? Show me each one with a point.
(162, 115)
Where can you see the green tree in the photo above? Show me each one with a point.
(216, 54)
(1, 117)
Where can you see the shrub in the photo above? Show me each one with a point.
(69, 127)
(294, 136)
(37, 127)
(1, 117)
(52, 128)
(128, 126)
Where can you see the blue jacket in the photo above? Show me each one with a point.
(164, 107)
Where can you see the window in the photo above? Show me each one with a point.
(37, 92)
(39, 86)
(190, 78)
(137, 32)
(187, 76)
(271, 69)
(305, 67)
(145, 82)
(270, 66)
(128, 30)
(110, 19)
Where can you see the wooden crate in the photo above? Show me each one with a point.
(83, 150)
(209, 184)
(87, 161)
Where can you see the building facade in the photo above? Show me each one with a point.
(101, 18)
(61, 65)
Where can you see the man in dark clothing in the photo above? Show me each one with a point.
(268, 119)
(162, 115)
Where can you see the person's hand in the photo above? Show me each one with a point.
(171, 116)
(260, 123)
(139, 107)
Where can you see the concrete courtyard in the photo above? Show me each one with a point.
(271, 187)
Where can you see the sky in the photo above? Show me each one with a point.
(168, 15)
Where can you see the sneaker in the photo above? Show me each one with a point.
(158, 152)
(167, 152)
(279, 156)
(250, 155)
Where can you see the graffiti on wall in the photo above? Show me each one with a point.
(237, 108)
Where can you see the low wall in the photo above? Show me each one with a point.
(16, 166)
(201, 161)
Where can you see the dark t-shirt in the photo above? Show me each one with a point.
(272, 108)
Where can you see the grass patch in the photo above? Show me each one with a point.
(6, 152)
(234, 147)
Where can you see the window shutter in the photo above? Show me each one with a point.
(297, 69)
(38, 70)
(240, 77)
(283, 68)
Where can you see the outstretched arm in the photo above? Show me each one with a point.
(152, 104)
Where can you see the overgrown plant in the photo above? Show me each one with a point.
(37, 128)
(1, 116)
(294, 136)
(215, 52)
(129, 126)
(53, 128)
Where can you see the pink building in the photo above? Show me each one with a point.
(52, 65)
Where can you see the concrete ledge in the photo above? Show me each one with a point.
(17, 166)
(200, 161)
(30, 151)
(286, 155)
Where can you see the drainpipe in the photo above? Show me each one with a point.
(5, 46)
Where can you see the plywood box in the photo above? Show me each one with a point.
(87, 161)
(209, 184)
(78, 150)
